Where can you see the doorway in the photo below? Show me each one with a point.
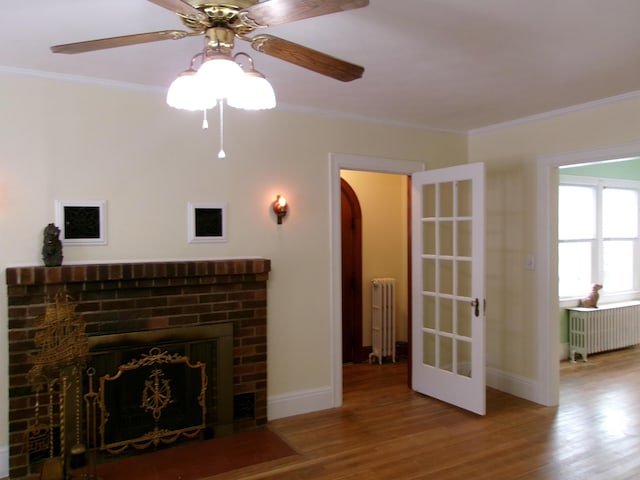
(374, 203)
(340, 162)
(547, 392)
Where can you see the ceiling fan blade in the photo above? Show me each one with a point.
(277, 12)
(104, 43)
(181, 8)
(307, 58)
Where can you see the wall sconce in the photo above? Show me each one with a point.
(280, 208)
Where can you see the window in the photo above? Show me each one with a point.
(599, 239)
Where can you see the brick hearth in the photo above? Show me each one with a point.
(132, 297)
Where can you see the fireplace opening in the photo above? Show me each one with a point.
(153, 398)
(147, 390)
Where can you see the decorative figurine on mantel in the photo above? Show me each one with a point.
(592, 300)
(52, 246)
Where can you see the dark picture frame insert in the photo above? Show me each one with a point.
(81, 223)
(207, 222)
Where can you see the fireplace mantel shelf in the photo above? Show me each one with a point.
(41, 275)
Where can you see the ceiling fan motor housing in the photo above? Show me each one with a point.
(221, 15)
(220, 39)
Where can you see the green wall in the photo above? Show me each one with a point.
(627, 169)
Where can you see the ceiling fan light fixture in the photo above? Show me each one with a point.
(220, 75)
(255, 93)
(187, 92)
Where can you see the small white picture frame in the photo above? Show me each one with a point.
(82, 222)
(207, 222)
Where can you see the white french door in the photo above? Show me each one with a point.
(448, 292)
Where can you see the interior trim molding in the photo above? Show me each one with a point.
(311, 111)
(4, 462)
(304, 401)
(556, 113)
(162, 90)
(515, 385)
(22, 72)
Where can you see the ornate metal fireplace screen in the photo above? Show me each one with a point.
(141, 389)
(147, 386)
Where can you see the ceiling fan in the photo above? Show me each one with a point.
(224, 21)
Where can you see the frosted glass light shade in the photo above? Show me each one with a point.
(187, 92)
(220, 75)
(255, 93)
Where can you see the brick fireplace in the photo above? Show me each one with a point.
(121, 298)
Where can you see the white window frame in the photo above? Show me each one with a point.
(600, 184)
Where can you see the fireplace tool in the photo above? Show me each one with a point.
(91, 441)
(62, 346)
(52, 467)
(78, 449)
(38, 432)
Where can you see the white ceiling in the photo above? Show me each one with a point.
(453, 65)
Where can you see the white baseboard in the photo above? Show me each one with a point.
(515, 385)
(521, 386)
(4, 461)
(280, 406)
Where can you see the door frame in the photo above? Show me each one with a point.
(337, 162)
(548, 392)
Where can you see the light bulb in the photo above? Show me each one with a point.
(187, 92)
(254, 93)
(220, 75)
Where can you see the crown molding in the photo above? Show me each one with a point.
(556, 113)
(23, 72)
(332, 114)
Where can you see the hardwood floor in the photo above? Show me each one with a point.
(386, 431)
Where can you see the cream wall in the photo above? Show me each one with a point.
(76, 141)
(383, 201)
(513, 155)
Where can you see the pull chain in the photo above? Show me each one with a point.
(205, 123)
(221, 153)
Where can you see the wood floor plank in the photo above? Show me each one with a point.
(386, 431)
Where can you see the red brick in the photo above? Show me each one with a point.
(137, 296)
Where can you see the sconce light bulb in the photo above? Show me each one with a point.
(280, 208)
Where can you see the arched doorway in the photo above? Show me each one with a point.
(351, 216)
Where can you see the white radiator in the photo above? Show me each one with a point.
(383, 319)
(610, 326)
